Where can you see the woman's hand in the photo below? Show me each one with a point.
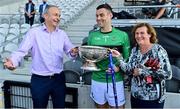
(115, 53)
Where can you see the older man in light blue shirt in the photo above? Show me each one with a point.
(47, 44)
(46, 48)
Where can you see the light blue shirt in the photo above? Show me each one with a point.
(29, 8)
(47, 50)
(44, 6)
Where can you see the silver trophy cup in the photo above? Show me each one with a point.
(91, 55)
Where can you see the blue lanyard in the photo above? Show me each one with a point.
(112, 73)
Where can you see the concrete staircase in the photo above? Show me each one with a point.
(80, 28)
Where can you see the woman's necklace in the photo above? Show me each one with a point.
(145, 49)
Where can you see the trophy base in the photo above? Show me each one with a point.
(90, 68)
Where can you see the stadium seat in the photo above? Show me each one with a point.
(24, 28)
(12, 38)
(74, 65)
(4, 25)
(15, 25)
(71, 76)
(14, 20)
(5, 20)
(14, 31)
(2, 38)
(35, 25)
(4, 31)
(8, 49)
(25, 25)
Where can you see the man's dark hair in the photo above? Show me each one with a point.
(106, 6)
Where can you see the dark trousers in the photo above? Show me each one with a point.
(44, 86)
(137, 103)
(29, 20)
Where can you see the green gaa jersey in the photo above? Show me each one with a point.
(115, 39)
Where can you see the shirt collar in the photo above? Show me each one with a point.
(44, 4)
(107, 32)
(44, 28)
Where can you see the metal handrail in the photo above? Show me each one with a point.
(154, 22)
(145, 6)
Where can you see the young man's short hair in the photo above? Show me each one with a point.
(106, 6)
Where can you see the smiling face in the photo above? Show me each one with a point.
(52, 17)
(141, 36)
(103, 17)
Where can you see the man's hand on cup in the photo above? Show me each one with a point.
(74, 51)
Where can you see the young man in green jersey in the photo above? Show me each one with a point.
(107, 36)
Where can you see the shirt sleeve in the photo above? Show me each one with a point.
(68, 46)
(126, 47)
(128, 66)
(165, 68)
(23, 49)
